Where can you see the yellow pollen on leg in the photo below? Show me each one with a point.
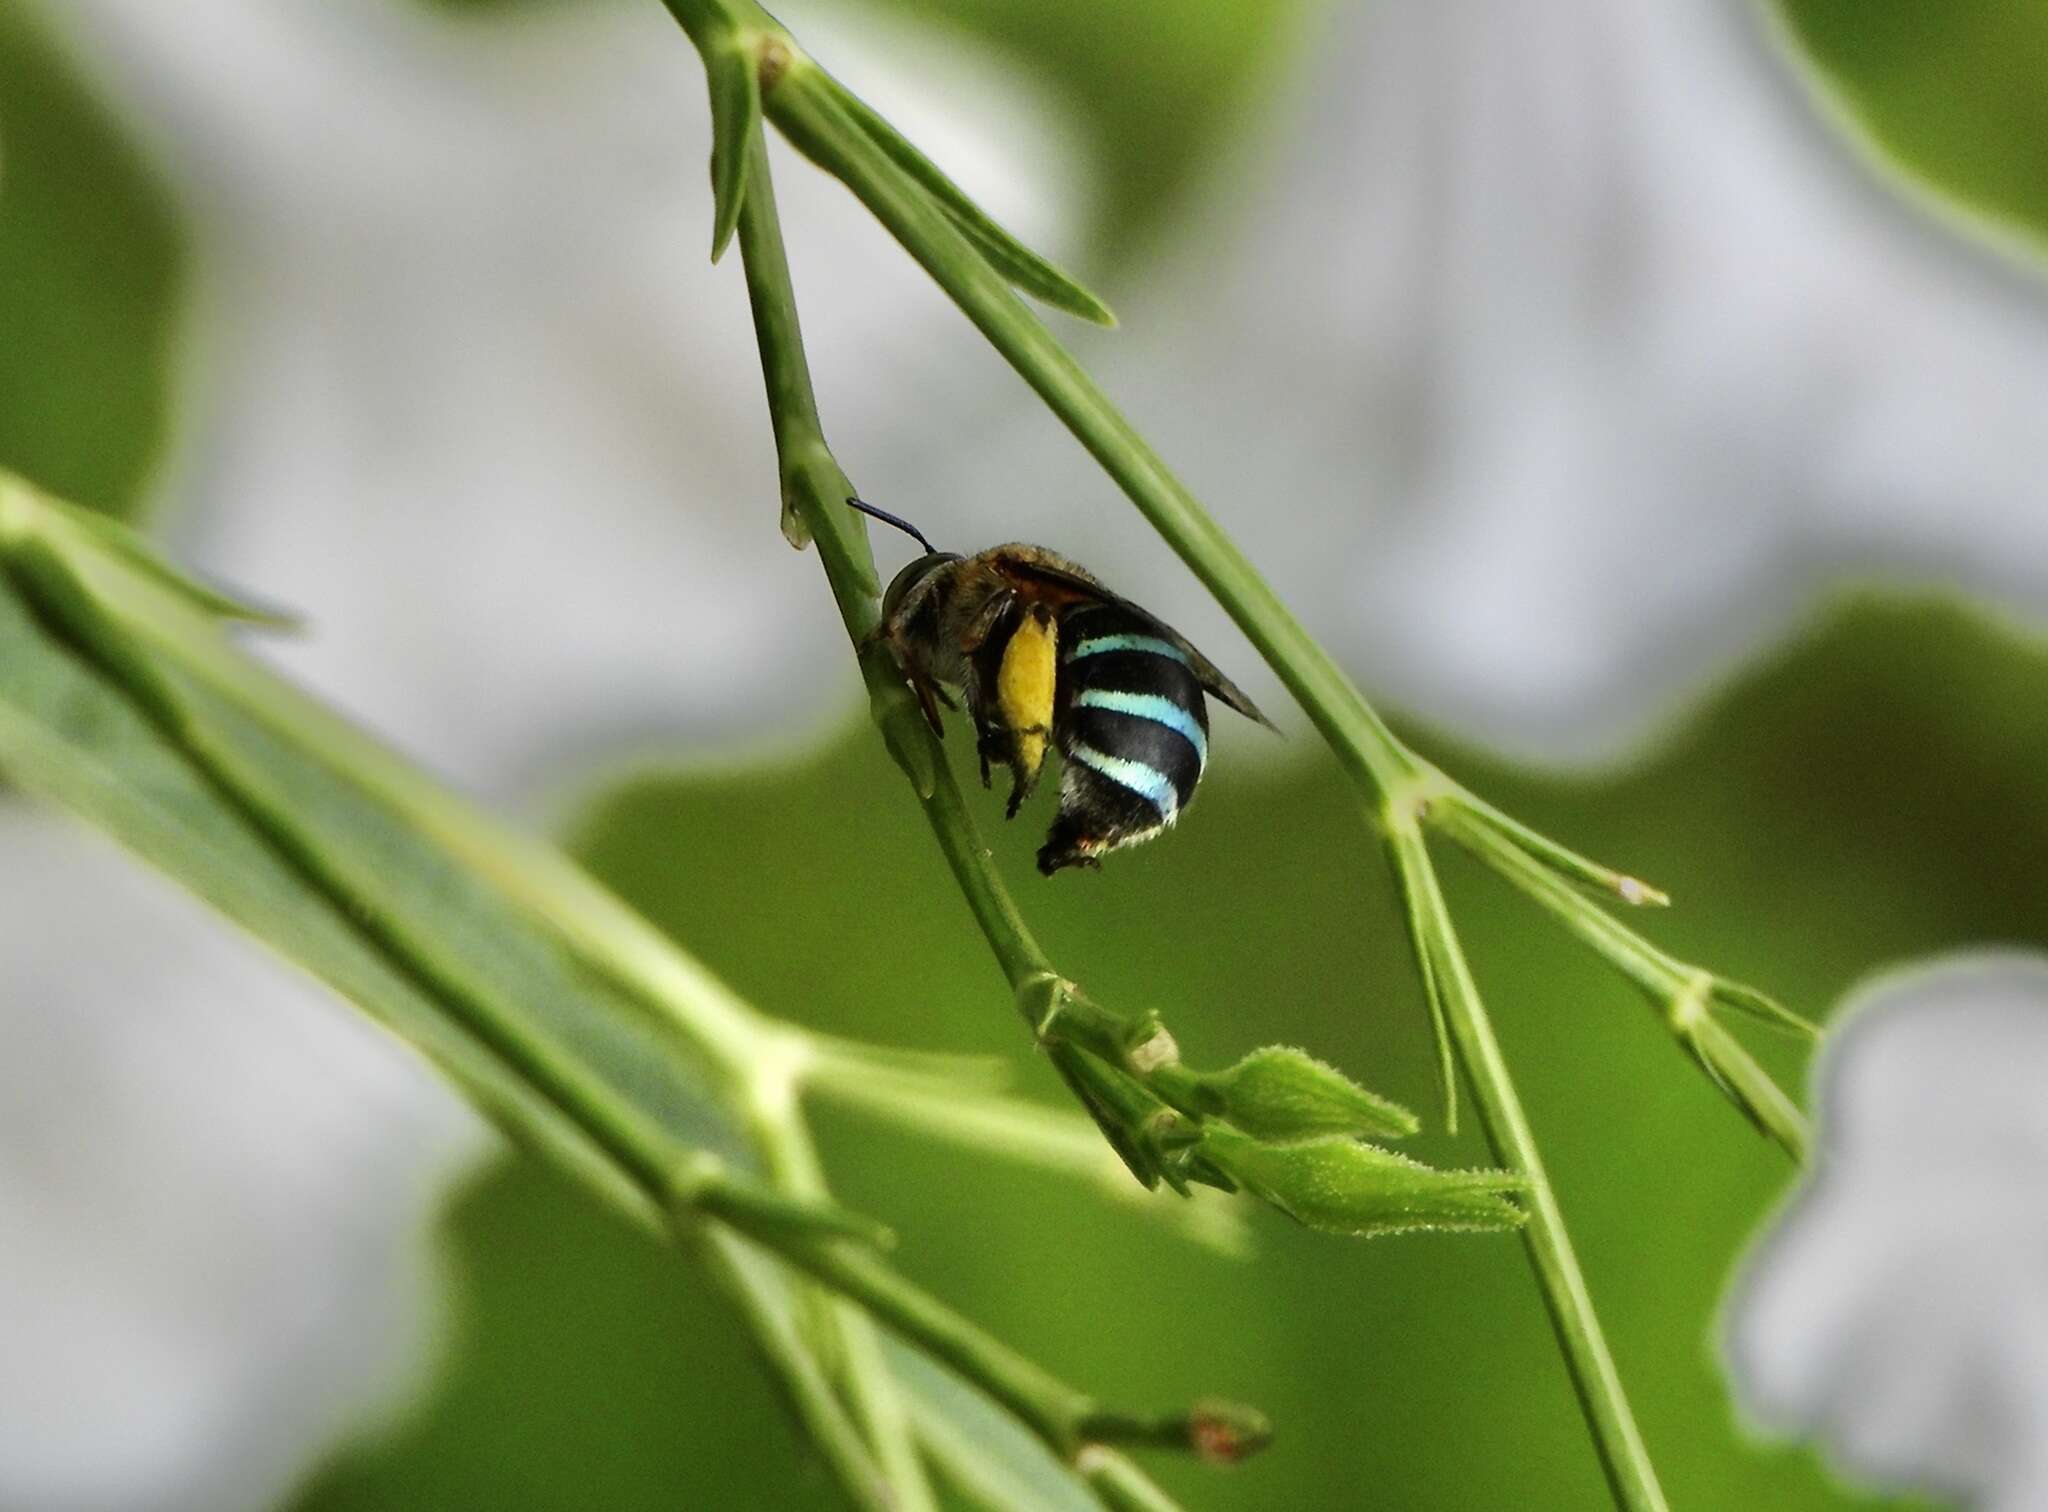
(1024, 687)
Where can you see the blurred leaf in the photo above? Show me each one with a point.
(1952, 92)
(137, 554)
(90, 272)
(136, 739)
(992, 1461)
(119, 697)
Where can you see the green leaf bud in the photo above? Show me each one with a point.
(1343, 1187)
(1278, 1094)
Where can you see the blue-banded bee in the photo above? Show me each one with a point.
(1047, 657)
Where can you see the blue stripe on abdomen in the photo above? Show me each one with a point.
(1097, 645)
(1156, 707)
(1147, 781)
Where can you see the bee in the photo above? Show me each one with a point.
(1046, 658)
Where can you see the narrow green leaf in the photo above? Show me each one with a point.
(1459, 808)
(1344, 1187)
(1764, 1009)
(1409, 858)
(26, 510)
(1746, 1084)
(735, 123)
(1021, 268)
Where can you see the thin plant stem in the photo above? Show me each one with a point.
(801, 449)
(1121, 1485)
(796, 1370)
(1117, 1483)
(815, 490)
(1050, 1408)
(691, 1189)
(1684, 995)
(105, 606)
(976, 264)
(844, 1336)
(1068, 1421)
(803, 106)
(1626, 1460)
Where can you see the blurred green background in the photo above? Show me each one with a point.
(1878, 791)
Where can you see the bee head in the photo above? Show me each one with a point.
(917, 572)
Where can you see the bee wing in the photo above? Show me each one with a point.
(1206, 672)
(1040, 576)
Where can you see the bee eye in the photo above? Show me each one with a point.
(915, 573)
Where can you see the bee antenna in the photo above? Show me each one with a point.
(897, 520)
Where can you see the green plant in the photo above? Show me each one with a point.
(592, 1039)
(757, 73)
(601, 1044)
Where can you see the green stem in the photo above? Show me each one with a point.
(1117, 1483)
(1683, 995)
(793, 1367)
(1775, 1115)
(802, 105)
(1050, 1408)
(846, 1336)
(1068, 1421)
(1623, 1456)
(803, 459)
(1120, 1485)
(815, 489)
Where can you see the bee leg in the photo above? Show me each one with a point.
(984, 623)
(990, 744)
(1023, 772)
(929, 696)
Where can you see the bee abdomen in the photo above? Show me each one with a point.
(1134, 731)
(1144, 752)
